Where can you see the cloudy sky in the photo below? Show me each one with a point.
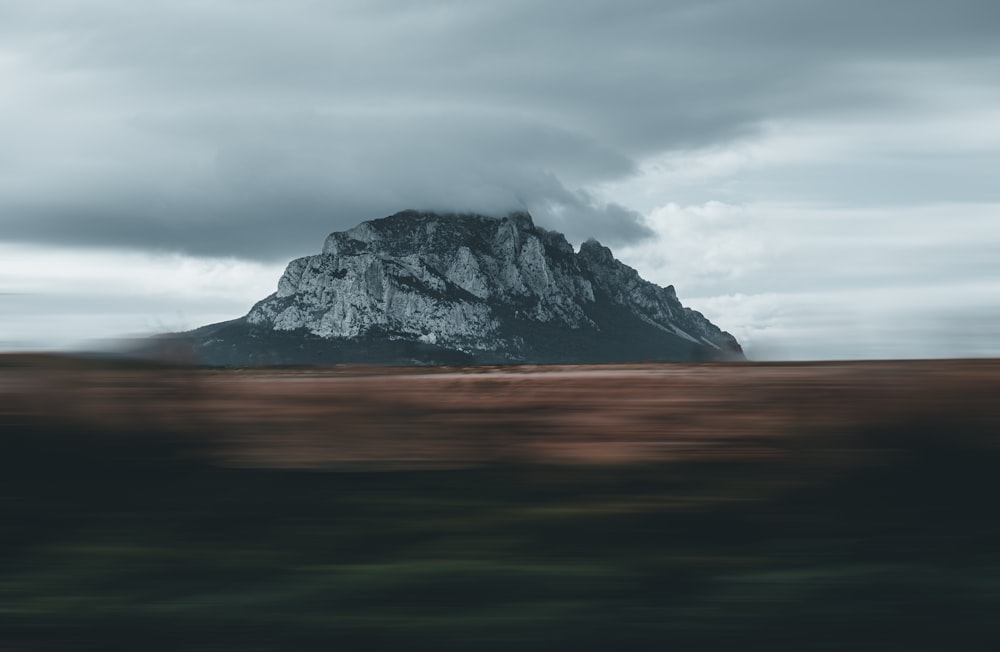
(822, 179)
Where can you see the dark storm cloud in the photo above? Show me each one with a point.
(254, 128)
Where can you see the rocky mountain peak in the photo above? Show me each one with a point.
(487, 288)
(594, 252)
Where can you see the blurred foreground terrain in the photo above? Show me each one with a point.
(823, 506)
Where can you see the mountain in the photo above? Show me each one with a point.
(432, 288)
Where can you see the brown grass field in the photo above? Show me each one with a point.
(722, 506)
(378, 416)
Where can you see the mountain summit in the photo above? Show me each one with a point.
(423, 287)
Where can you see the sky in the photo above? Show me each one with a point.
(821, 179)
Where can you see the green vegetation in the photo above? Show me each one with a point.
(881, 540)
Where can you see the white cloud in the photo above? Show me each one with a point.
(63, 297)
(947, 320)
(802, 281)
(709, 245)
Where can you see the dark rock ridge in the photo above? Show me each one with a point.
(431, 288)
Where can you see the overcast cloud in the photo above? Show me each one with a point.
(770, 158)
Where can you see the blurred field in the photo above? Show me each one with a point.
(649, 506)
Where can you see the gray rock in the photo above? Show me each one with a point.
(427, 287)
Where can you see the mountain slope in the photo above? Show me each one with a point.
(421, 287)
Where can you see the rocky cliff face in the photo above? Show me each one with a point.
(427, 287)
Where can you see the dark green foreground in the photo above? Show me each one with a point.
(885, 540)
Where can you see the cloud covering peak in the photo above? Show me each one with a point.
(246, 128)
